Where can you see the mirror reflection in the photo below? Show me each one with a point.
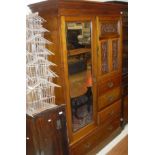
(78, 35)
(80, 73)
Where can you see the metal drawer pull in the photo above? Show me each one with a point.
(27, 138)
(110, 98)
(110, 128)
(112, 112)
(110, 84)
(87, 145)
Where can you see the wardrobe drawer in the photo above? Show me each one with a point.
(109, 97)
(85, 145)
(101, 134)
(108, 85)
(110, 112)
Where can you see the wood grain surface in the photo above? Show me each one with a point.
(121, 148)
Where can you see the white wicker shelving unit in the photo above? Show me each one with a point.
(39, 78)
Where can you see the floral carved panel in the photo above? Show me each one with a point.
(109, 27)
(104, 57)
(115, 54)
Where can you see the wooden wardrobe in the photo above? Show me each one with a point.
(88, 43)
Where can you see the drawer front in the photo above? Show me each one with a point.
(101, 134)
(109, 98)
(108, 85)
(110, 112)
(51, 126)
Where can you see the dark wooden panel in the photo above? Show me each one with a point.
(32, 145)
(110, 112)
(46, 133)
(125, 79)
(126, 109)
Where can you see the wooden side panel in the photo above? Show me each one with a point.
(32, 145)
(126, 109)
(46, 133)
(125, 65)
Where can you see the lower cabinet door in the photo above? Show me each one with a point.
(48, 130)
(32, 145)
(51, 128)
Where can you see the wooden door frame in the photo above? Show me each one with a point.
(74, 137)
(119, 37)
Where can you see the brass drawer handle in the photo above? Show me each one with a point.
(110, 84)
(112, 112)
(87, 145)
(110, 128)
(110, 98)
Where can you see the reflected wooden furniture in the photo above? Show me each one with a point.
(106, 54)
(78, 51)
(46, 133)
(79, 83)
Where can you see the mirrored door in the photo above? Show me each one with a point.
(79, 59)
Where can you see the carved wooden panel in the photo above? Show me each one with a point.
(108, 28)
(115, 55)
(104, 57)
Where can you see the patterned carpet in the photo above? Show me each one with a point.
(86, 117)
